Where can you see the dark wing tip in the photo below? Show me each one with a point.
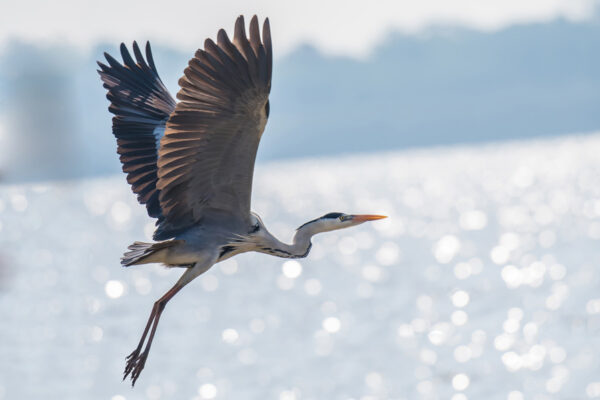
(123, 48)
(240, 28)
(266, 30)
(254, 32)
(266, 37)
(136, 48)
(208, 42)
(149, 57)
(138, 55)
(112, 61)
(222, 37)
(127, 60)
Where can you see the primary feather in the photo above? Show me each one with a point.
(141, 105)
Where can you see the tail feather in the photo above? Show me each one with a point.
(140, 252)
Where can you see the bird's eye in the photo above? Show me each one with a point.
(342, 218)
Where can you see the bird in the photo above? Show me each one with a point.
(191, 162)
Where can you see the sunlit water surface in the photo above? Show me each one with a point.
(482, 284)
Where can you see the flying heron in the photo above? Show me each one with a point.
(191, 162)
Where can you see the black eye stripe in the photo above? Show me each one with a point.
(332, 215)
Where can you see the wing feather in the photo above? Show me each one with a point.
(206, 157)
(141, 105)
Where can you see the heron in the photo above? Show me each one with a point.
(191, 162)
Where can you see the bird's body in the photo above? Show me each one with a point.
(191, 162)
(219, 242)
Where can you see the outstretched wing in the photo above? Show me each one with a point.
(206, 158)
(141, 105)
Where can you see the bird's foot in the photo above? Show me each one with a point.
(134, 355)
(135, 365)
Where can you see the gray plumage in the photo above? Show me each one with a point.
(221, 115)
(192, 162)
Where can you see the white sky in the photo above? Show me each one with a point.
(349, 27)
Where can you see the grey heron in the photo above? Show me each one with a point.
(191, 162)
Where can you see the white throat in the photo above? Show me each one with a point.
(263, 241)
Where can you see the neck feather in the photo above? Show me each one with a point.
(299, 248)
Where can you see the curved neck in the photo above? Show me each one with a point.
(299, 248)
(301, 241)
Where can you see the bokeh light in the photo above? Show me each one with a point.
(472, 288)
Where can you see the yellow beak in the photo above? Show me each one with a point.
(367, 217)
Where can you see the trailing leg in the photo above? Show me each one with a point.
(137, 359)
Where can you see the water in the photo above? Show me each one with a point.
(482, 284)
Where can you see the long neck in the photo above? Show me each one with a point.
(298, 249)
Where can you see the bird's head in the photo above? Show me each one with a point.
(336, 220)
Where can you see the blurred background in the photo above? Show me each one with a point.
(475, 125)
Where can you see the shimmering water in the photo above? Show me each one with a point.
(484, 283)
